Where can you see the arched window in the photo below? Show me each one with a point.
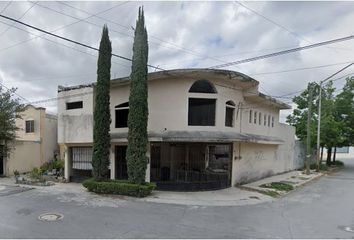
(202, 86)
(229, 114)
(122, 111)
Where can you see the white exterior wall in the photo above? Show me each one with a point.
(168, 110)
(75, 125)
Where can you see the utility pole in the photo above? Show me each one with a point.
(319, 114)
(308, 142)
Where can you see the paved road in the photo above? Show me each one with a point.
(321, 209)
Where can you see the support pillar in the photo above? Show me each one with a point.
(67, 163)
(148, 155)
(112, 162)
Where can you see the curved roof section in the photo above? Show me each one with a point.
(196, 74)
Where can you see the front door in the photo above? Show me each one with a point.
(121, 162)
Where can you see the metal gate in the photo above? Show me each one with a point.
(81, 158)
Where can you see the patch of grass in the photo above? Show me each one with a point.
(280, 186)
(271, 193)
(119, 187)
(323, 167)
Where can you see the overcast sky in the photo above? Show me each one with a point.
(181, 35)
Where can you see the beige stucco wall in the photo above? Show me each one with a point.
(31, 113)
(25, 155)
(252, 161)
(32, 149)
(50, 138)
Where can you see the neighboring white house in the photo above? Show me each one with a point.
(341, 153)
(207, 129)
(35, 144)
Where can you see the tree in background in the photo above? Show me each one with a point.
(102, 115)
(10, 110)
(335, 127)
(138, 105)
(299, 117)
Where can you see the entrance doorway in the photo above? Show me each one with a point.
(121, 162)
(191, 166)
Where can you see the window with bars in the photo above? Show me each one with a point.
(81, 158)
(250, 117)
(29, 126)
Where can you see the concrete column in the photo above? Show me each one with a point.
(113, 162)
(148, 155)
(67, 163)
(235, 149)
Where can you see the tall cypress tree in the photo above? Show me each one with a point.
(138, 105)
(102, 115)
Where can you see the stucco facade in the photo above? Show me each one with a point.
(36, 141)
(260, 145)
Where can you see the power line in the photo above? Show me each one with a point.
(3, 85)
(188, 51)
(283, 52)
(299, 69)
(61, 44)
(24, 14)
(64, 38)
(7, 5)
(275, 23)
(62, 27)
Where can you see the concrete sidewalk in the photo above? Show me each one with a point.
(247, 194)
(293, 178)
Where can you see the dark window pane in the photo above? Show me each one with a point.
(229, 117)
(202, 86)
(201, 112)
(74, 105)
(122, 118)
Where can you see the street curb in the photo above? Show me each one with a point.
(281, 193)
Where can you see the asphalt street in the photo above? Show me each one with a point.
(323, 208)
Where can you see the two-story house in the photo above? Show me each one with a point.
(207, 129)
(35, 144)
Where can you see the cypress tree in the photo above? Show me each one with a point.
(102, 115)
(138, 105)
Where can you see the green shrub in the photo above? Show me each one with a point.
(16, 173)
(338, 163)
(278, 186)
(323, 167)
(36, 174)
(58, 164)
(119, 187)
